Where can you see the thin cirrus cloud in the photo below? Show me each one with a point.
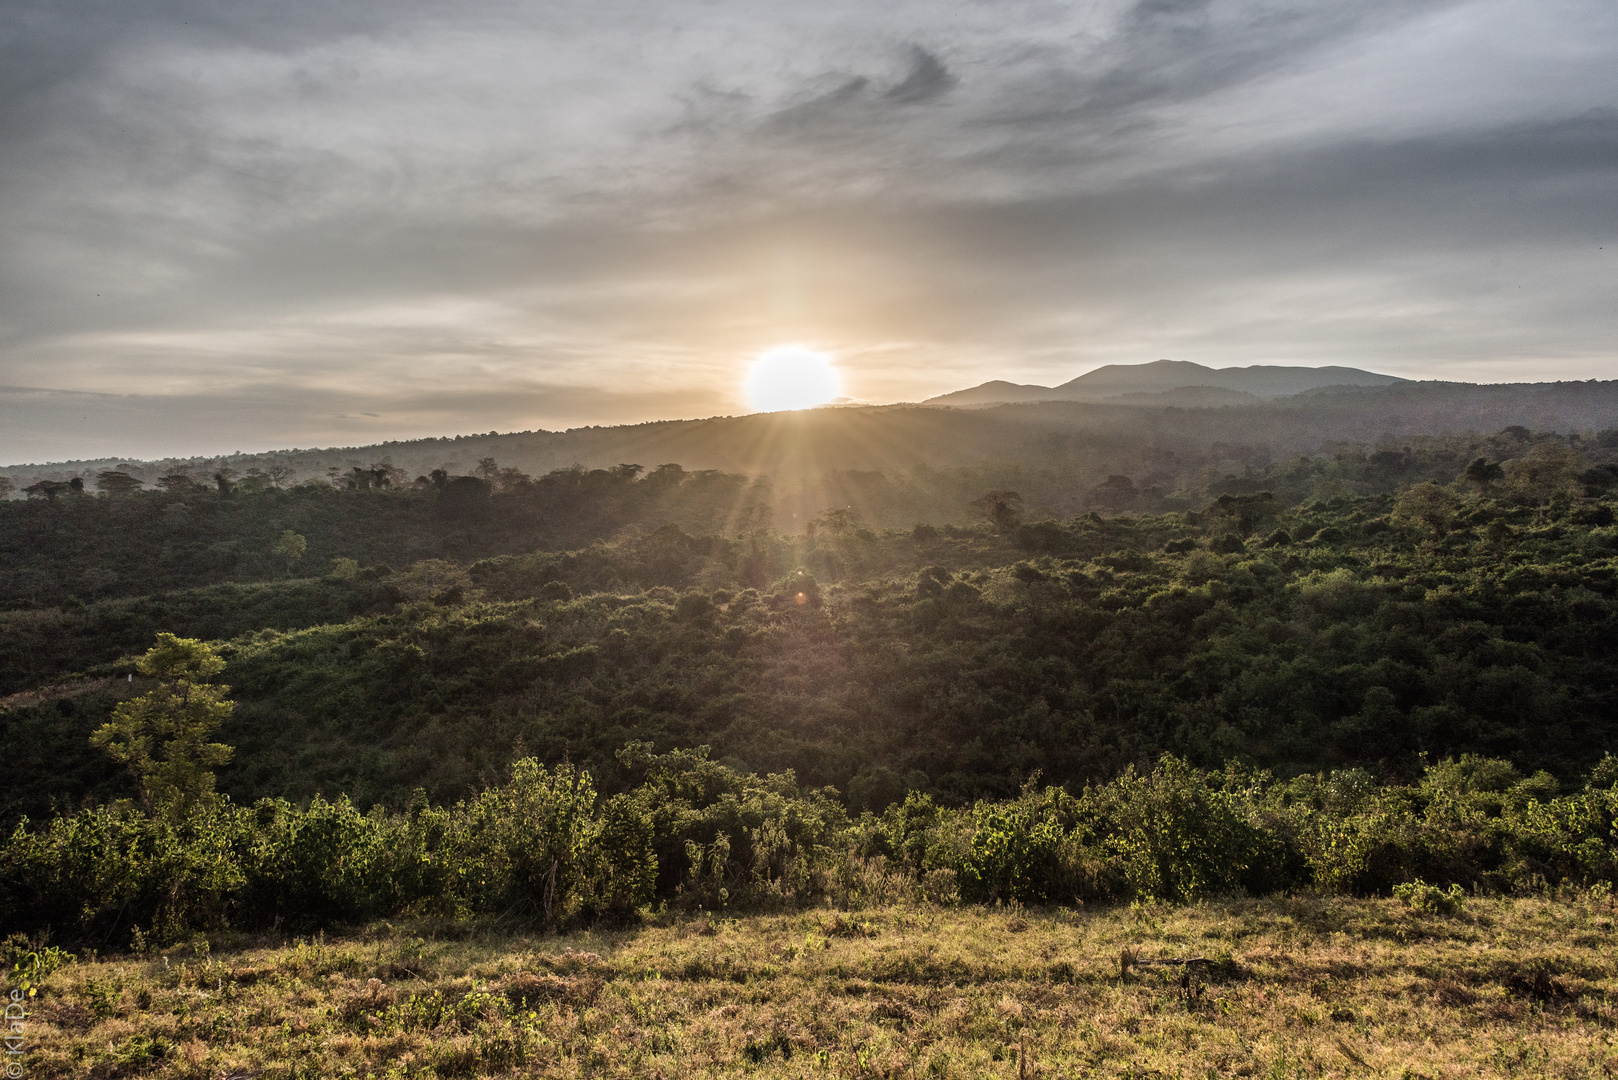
(298, 222)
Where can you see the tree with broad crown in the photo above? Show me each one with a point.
(255, 481)
(1426, 504)
(114, 482)
(290, 547)
(179, 482)
(161, 736)
(1114, 493)
(1245, 514)
(838, 520)
(51, 490)
(1483, 472)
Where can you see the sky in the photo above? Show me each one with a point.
(235, 226)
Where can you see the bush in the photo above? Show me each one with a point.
(543, 847)
(1178, 833)
(1430, 899)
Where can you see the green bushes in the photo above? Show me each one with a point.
(691, 832)
(523, 848)
(724, 838)
(964, 660)
(325, 863)
(535, 847)
(101, 872)
(1430, 899)
(1179, 833)
(1176, 833)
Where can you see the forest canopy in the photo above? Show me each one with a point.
(1368, 621)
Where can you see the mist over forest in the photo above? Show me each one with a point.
(1059, 449)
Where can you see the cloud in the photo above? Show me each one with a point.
(926, 80)
(412, 202)
(37, 425)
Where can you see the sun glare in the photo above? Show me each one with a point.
(792, 377)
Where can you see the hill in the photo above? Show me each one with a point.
(1234, 667)
(1135, 436)
(1269, 625)
(1164, 378)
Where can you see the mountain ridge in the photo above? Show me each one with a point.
(812, 442)
(1171, 378)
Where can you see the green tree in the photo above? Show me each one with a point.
(1114, 493)
(1544, 473)
(838, 520)
(51, 490)
(114, 482)
(1483, 473)
(162, 736)
(1245, 514)
(179, 482)
(290, 547)
(1426, 504)
(255, 481)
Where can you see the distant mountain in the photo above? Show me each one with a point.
(1166, 379)
(1109, 435)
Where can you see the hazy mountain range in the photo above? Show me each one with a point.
(1172, 382)
(1135, 431)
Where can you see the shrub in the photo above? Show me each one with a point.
(1178, 833)
(1430, 899)
(543, 847)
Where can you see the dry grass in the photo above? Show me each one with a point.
(1286, 988)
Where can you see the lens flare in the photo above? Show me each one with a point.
(792, 377)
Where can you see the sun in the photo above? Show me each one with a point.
(792, 377)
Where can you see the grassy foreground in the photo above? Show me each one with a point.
(1289, 988)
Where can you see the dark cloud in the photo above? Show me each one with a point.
(927, 79)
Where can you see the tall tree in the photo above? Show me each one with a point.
(162, 736)
(290, 547)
